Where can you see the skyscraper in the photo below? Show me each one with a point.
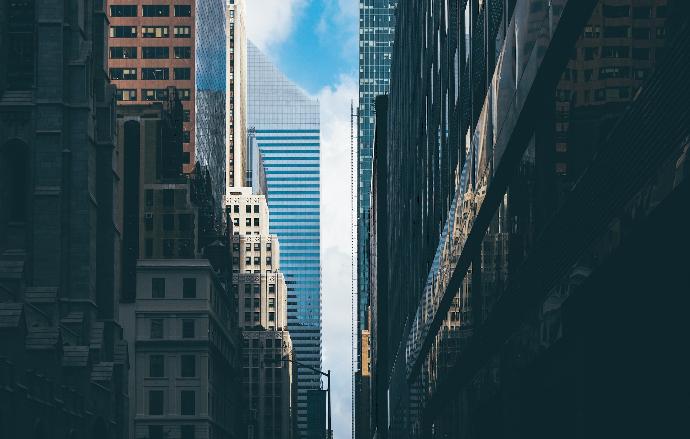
(377, 29)
(236, 95)
(287, 127)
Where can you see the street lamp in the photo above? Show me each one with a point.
(327, 374)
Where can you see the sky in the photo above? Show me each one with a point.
(314, 43)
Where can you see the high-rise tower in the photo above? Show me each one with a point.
(286, 123)
(236, 96)
(376, 36)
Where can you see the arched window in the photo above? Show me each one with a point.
(21, 43)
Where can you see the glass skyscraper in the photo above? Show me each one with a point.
(285, 122)
(376, 37)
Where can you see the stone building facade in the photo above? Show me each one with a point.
(261, 298)
(63, 363)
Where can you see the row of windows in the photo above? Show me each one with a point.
(150, 11)
(248, 246)
(156, 329)
(618, 52)
(179, 52)
(157, 366)
(151, 73)
(257, 302)
(257, 317)
(637, 33)
(639, 12)
(150, 94)
(247, 222)
(158, 287)
(187, 402)
(150, 31)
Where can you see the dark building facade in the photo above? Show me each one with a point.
(531, 167)
(63, 363)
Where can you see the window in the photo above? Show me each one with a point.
(616, 11)
(248, 261)
(271, 302)
(148, 194)
(155, 52)
(183, 11)
(188, 366)
(156, 432)
(186, 115)
(257, 246)
(154, 31)
(187, 432)
(123, 11)
(247, 316)
(247, 222)
(236, 208)
(123, 52)
(615, 52)
(189, 288)
(126, 94)
(256, 222)
(641, 33)
(148, 244)
(158, 288)
(183, 93)
(186, 136)
(269, 261)
(187, 328)
(155, 11)
(168, 248)
(123, 31)
(592, 31)
(272, 288)
(271, 317)
(185, 221)
(154, 94)
(616, 31)
(155, 74)
(256, 208)
(168, 222)
(640, 53)
(155, 402)
(248, 208)
(187, 402)
(148, 223)
(182, 73)
(257, 316)
(642, 12)
(614, 72)
(183, 31)
(183, 52)
(156, 366)
(168, 198)
(661, 32)
(125, 74)
(257, 261)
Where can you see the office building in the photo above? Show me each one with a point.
(153, 46)
(236, 95)
(376, 36)
(261, 298)
(286, 123)
(518, 287)
(178, 316)
(63, 362)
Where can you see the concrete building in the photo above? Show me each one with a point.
(516, 266)
(153, 46)
(184, 336)
(63, 363)
(287, 131)
(261, 297)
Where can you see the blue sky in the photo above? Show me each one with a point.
(314, 42)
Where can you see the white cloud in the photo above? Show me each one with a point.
(336, 245)
(270, 22)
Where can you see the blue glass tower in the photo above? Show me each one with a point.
(287, 130)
